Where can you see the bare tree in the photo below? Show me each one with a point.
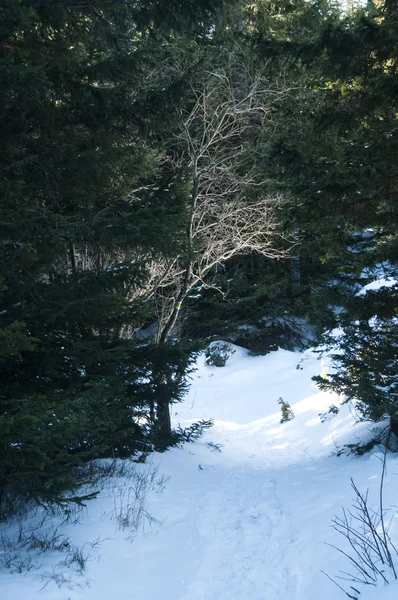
(226, 215)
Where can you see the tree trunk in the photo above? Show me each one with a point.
(162, 425)
(168, 328)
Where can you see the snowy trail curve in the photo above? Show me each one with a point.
(248, 522)
(247, 541)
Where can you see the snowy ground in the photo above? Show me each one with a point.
(247, 523)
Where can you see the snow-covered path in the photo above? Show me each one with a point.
(269, 497)
(248, 522)
(247, 541)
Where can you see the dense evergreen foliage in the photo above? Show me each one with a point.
(124, 127)
(85, 207)
(334, 153)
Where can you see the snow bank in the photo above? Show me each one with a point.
(246, 512)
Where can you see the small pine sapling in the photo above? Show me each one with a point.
(218, 353)
(286, 410)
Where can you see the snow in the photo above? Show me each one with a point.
(389, 592)
(377, 285)
(248, 522)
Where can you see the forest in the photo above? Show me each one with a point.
(176, 172)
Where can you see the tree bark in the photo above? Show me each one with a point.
(163, 418)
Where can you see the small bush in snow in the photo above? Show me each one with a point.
(13, 556)
(61, 579)
(22, 553)
(286, 410)
(76, 559)
(370, 554)
(218, 353)
(214, 447)
(46, 541)
(130, 498)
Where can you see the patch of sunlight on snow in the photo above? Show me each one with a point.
(317, 402)
(313, 422)
(336, 424)
(340, 430)
(274, 431)
(227, 425)
(260, 423)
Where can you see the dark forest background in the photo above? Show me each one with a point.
(177, 172)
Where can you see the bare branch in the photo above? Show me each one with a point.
(226, 214)
(370, 554)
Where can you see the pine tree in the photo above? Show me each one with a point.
(335, 154)
(85, 208)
